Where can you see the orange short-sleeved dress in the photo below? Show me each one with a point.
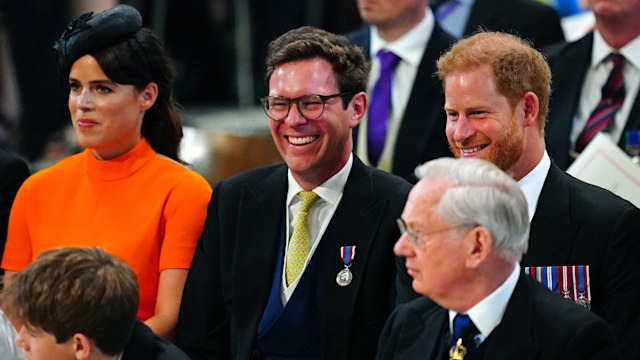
(141, 206)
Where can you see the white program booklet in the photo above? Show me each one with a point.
(604, 164)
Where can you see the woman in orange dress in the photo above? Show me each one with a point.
(127, 192)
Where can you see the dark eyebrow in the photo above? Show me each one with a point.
(96, 82)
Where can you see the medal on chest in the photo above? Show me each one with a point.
(344, 277)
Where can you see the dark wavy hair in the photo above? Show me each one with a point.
(349, 63)
(138, 61)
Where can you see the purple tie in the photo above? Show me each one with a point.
(445, 9)
(380, 106)
(613, 93)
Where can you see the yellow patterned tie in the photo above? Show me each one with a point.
(299, 244)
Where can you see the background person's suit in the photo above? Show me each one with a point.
(529, 19)
(580, 224)
(232, 272)
(421, 136)
(13, 172)
(569, 64)
(537, 324)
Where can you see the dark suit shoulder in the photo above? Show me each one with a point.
(12, 161)
(360, 36)
(592, 200)
(580, 47)
(252, 177)
(420, 307)
(414, 330)
(145, 345)
(389, 185)
(540, 23)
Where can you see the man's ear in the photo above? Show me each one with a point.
(479, 244)
(358, 105)
(83, 346)
(531, 107)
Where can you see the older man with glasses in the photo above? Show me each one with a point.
(464, 228)
(296, 259)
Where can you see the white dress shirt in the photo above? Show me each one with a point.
(531, 184)
(487, 314)
(320, 214)
(410, 48)
(597, 76)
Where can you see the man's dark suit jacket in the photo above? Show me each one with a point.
(576, 223)
(529, 19)
(232, 271)
(421, 136)
(145, 345)
(569, 64)
(13, 171)
(537, 324)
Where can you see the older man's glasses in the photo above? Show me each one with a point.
(415, 236)
(310, 106)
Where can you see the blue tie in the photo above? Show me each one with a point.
(380, 106)
(463, 328)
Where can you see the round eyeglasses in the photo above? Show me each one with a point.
(310, 106)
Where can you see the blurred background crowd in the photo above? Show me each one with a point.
(218, 47)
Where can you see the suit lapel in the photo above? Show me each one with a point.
(553, 231)
(423, 121)
(511, 339)
(569, 68)
(436, 320)
(358, 206)
(259, 233)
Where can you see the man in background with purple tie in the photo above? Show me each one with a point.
(405, 122)
(529, 19)
(497, 89)
(595, 82)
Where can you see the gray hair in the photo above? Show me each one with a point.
(481, 194)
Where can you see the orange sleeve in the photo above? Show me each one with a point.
(185, 213)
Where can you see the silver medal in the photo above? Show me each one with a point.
(344, 277)
(582, 300)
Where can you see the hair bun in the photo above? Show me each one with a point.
(89, 33)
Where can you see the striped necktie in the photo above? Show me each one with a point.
(613, 93)
(299, 245)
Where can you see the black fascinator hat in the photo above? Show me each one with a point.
(89, 33)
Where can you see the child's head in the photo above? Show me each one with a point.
(73, 299)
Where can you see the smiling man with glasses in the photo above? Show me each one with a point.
(464, 229)
(296, 259)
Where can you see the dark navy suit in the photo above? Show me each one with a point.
(232, 274)
(537, 324)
